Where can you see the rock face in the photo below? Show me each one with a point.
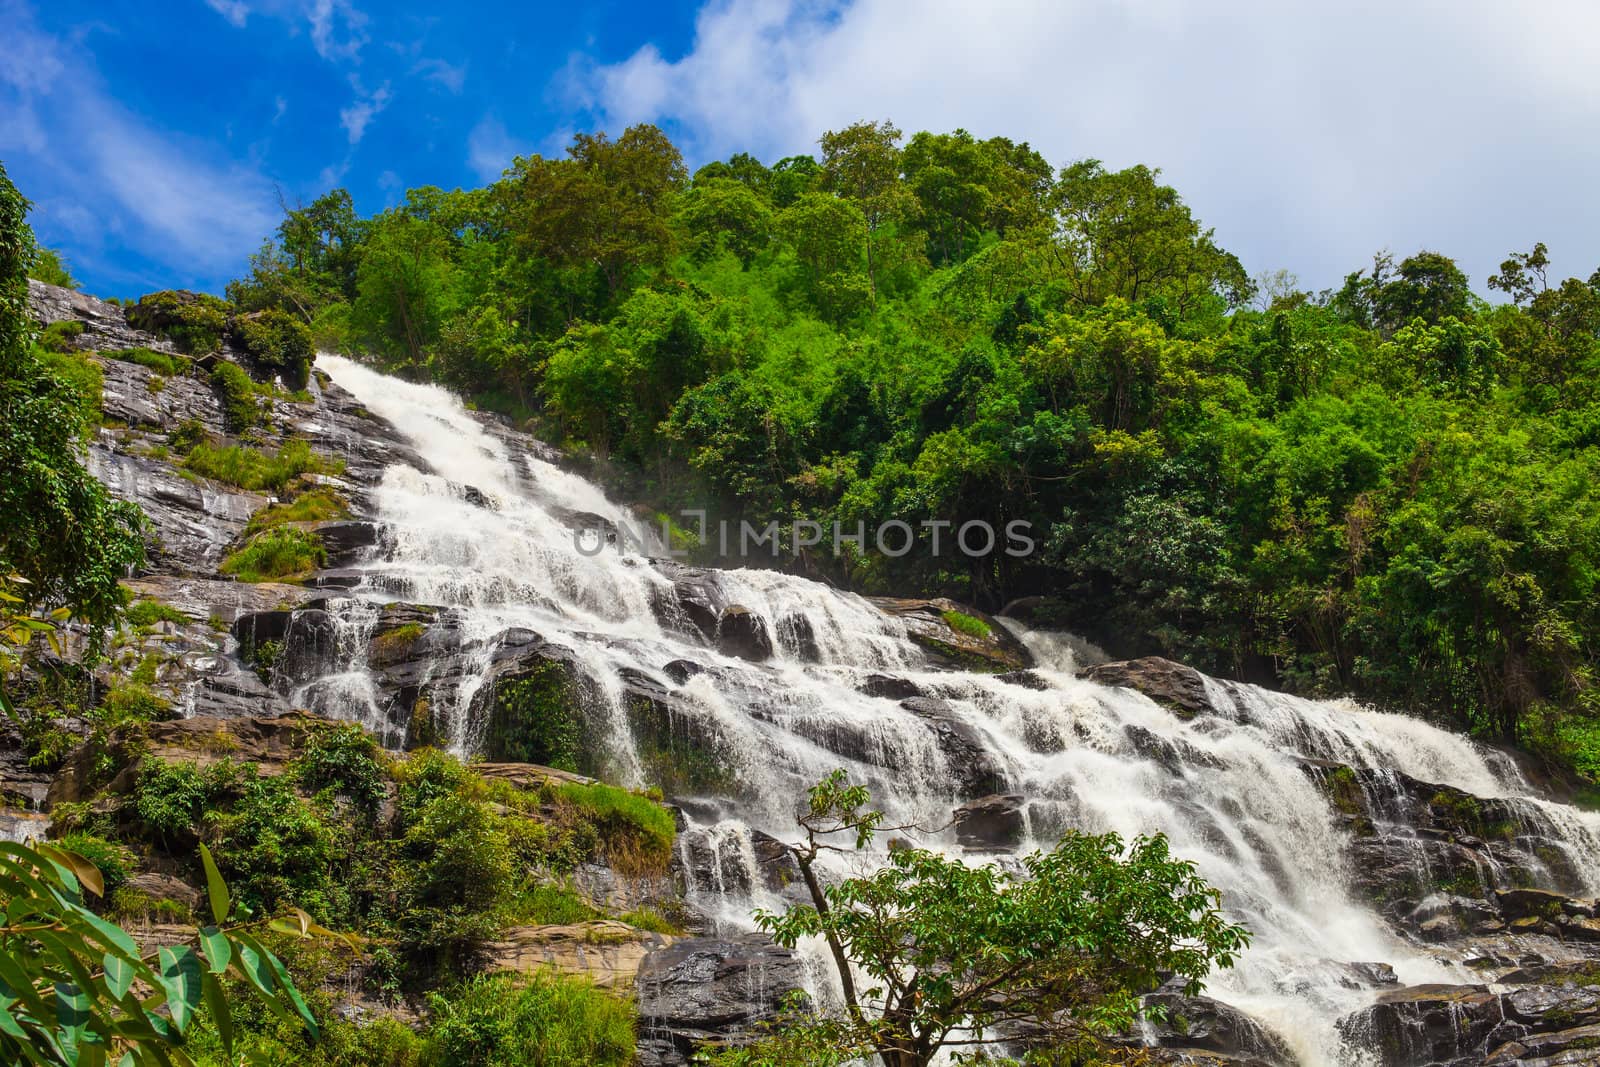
(1201, 1025)
(606, 952)
(709, 992)
(1461, 1025)
(1172, 685)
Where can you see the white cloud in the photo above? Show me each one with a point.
(490, 148)
(363, 109)
(338, 30)
(102, 175)
(235, 11)
(1309, 134)
(449, 76)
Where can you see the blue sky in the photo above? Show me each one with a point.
(156, 138)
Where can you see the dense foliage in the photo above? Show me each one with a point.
(1388, 488)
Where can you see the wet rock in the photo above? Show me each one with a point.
(1026, 679)
(681, 670)
(708, 993)
(1206, 1025)
(743, 633)
(1173, 754)
(1174, 686)
(991, 648)
(695, 602)
(889, 687)
(799, 638)
(975, 768)
(1521, 903)
(1425, 1024)
(310, 645)
(991, 822)
(715, 860)
(348, 542)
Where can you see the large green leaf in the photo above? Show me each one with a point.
(217, 950)
(216, 888)
(119, 975)
(180, 977)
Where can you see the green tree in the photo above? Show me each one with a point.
(403, 288)
(59, 530)
(1123, 234)
(724, 214)
(1068, 943)
(862, 164)
(49, 267)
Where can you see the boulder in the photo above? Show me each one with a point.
(1180, 689)
(698, 993)
(928, 623)
(798, 637)
(889, 687)
(348, 541)
(1206, 1025)
(743, 633)
(991, 823)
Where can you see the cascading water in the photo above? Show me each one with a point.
(1241, 804)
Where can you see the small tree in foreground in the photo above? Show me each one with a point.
(77, 991)
(947, 952)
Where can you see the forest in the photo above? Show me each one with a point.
(1388, 489)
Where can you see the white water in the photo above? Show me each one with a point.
(1240, 807)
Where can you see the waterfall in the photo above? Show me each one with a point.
(487, 533)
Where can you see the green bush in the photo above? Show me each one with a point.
(61, 336)
(313, 505)
(251, 468)
(276, 849)
(49, 267)
(535, 719)
(281, 552)
(454, 868)
(133, 702)
(193, 321)
(547, 904)
(237, 393)
(170, 800)
(145, 613)
(966, 624)
(83, 377)
(342, 757)
(635, 829)
(546, 1020)
(112, 860)
(276, 341)
(172, 366)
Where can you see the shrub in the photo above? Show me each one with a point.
(276, 849)
(170, 799)
(251, 468)
(128, 903)
(193, 321)
(312, 505)
(277, 342)
(162, 363)
(650, 919)
(454, 865)
(546, 1020)
(61, 336)
(342, 757)
(281, 552)
(144, 613)
(49, 267)
(535, 719)
(237, 394)
(190, 432)
(546, 904)
(133, 702)
(966, 624)
(83, 377)
(634, 828)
